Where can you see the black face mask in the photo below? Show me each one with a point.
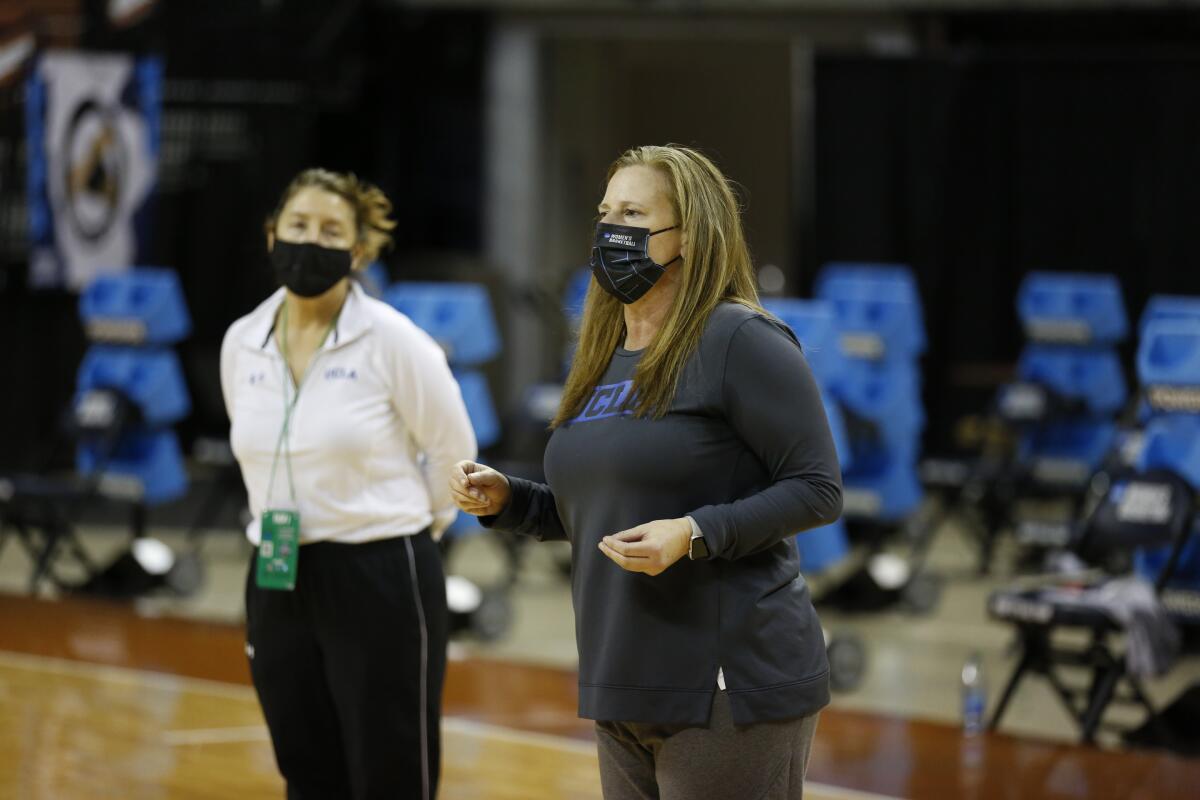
(309, 269)
(621, 260)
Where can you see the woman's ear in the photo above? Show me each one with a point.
(358, 257)
(270, 241)
(683, 246)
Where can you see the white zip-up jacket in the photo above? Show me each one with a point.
(379, 422)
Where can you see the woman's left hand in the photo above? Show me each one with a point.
(649, 548)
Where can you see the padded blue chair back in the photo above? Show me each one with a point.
(837, 428)
(821, 548)
(478, 400)
(878, 309)
(374, 279)
(815, 326)
(882, 483)
(142, 306)
(1172, 441)
(887, 394)
(576, 293)
(1168, 365)
(1091, 375)
(458, 315)
(150, 377)
(1169, 369)
(1072, 308)
(1067, 453)
(1169, 306)
(146, 466)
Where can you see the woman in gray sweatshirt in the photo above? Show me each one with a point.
(690, 445)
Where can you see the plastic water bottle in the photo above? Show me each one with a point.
(974, 695)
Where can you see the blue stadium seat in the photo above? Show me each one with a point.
(150, 377)
(878, 309)
(887, 394)
(458, 315)
(1072, 308)
(1067, 453)
(374, 279)
(142, 306)
(881, 485)
(1168, 363)
(815, 326)
(576, 293)
(132, 318)
(837, 427)
(1168, 358)
(822, 548)
(480, 408)
(1090, 375)
(1169, 306)
(1172, 441)
(147, 466)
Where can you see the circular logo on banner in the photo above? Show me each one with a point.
(95, 166)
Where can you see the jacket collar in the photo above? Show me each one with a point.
(352, 323)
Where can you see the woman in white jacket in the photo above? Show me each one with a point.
(345, 419)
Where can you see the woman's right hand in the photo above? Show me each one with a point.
(479, 489)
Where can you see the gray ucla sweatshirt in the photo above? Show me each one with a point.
(745, 450)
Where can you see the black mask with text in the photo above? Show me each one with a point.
(621, 260)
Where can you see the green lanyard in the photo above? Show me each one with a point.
(282, 443)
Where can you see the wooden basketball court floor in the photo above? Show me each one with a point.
(97, 702)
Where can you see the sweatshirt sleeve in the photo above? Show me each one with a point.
(429, 400)
(771, 400)
(531, 511)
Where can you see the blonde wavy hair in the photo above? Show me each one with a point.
(718, 270)
(372, 209)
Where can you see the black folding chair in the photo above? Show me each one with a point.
(39, 507)
(1149, 510)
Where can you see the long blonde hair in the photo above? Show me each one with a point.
(372, 209)
(717, 270)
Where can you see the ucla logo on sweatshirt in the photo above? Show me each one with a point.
(609, 400)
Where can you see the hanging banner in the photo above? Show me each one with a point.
(92, 127)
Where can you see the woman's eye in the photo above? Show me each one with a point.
(630, 212)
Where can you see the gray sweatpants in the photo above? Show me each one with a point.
(765, 761)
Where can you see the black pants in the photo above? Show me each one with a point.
(349, 669)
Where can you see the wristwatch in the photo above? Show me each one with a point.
(698, 549)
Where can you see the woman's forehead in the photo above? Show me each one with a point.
(636, 184)
(312, 201)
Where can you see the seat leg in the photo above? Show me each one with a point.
(1064, 694)
(1099, 698)
(76, 546)
(1028, 655)
(45, 554)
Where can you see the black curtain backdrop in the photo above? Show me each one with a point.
(977, 167)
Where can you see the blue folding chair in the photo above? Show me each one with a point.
(862, 336)
(130, 391)
(1060, 413)
(1149, 511)
(459, 318)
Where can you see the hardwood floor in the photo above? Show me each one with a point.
(97, 702)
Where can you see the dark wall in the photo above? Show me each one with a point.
(980, 164)
(254, 93)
